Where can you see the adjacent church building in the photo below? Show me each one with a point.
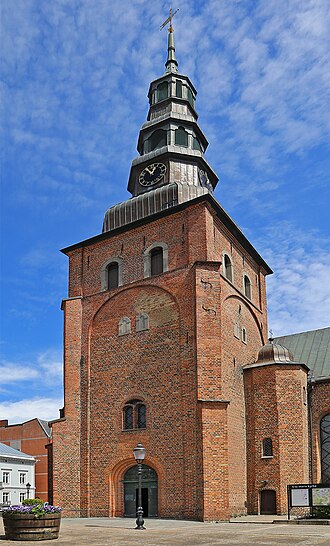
(165, 344)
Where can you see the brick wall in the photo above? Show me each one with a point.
(275, 409)
(30, 438)
(187, 368)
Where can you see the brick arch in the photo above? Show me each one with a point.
(119, 293)
(115, 480)
(252, 313)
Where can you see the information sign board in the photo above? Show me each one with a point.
(308, 495)
(300, 497)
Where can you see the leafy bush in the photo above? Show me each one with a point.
(321, 512)
(32, 502)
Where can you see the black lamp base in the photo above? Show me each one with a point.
(139, 519)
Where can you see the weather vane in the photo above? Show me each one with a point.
(169, 20)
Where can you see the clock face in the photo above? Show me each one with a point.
(152, 174)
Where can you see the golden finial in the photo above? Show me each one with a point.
(169, 20)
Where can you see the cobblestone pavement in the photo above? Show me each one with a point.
(121, 532)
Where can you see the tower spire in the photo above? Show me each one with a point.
(171, 63)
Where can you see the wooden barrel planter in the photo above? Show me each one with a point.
(27, 527)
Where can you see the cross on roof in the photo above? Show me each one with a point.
(169, 20)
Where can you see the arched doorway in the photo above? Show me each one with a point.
(267, 501)
(149, 491)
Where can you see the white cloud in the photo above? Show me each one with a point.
(29, 408)
(299, 290)
(45, 369)
(16, 373)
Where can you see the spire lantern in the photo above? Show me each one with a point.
(171, 168)
(171, 63)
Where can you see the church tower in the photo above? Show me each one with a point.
(165, 307)
(171, 168)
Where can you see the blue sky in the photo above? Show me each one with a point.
(74, 79)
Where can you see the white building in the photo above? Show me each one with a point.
(17, 475)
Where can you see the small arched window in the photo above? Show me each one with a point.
(228, 268)
(156, 261)
(196, 144)
(244, 335)
(134, 415)
(141, 417)
(128, 417)
(142, 322)
(267, 447)
(162, 91)
(113, 275)
(181, 137)
(247, 287)
(157, 139)
(178, 90)
(124, 326)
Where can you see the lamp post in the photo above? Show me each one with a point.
(28, 487)
(139, 455)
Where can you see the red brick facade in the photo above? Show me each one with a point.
(275, 409)
(31, 438)
(187, 368)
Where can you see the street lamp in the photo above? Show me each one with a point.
(139, 455)
(28, 487)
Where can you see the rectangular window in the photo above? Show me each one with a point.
(179, 88)
(156, 259)
(113, 275)
(6, 477)
(267, 447)
(21, 497)
(5, 497)
(22, 478)
(304, 396)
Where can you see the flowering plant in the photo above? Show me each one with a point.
(38, 509)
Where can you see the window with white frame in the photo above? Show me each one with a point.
(267, 447)
(155, 259)
(124, 326)
(142, 322)
(112, 273)
(5, 477)
(21, 497)
(22, 478)
(5, 497)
